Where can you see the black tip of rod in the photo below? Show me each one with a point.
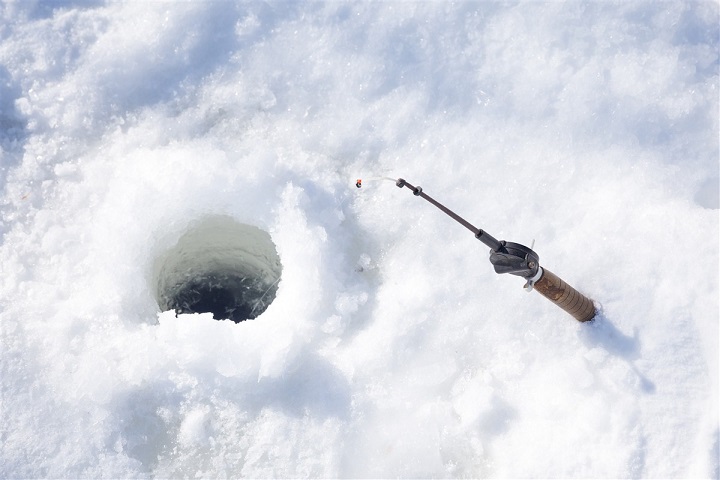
(400, 182)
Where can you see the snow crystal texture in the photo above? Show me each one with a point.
(391, 349)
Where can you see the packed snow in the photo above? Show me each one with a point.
(391, 349)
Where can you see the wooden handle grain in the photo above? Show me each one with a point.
(564, 296)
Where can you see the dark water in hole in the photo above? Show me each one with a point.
(220, 266)
(225, 296)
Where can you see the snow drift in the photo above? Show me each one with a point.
(391, 348)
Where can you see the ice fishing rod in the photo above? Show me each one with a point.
(516, 259)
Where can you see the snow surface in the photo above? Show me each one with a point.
(392, 348)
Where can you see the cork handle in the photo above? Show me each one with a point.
(564, 296)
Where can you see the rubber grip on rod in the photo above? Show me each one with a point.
(564, 296)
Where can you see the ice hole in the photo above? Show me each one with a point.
(220, 266)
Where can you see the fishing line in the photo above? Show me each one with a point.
(359, 182)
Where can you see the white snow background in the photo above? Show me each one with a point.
(392, 348)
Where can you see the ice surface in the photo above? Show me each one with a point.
(391, 349)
